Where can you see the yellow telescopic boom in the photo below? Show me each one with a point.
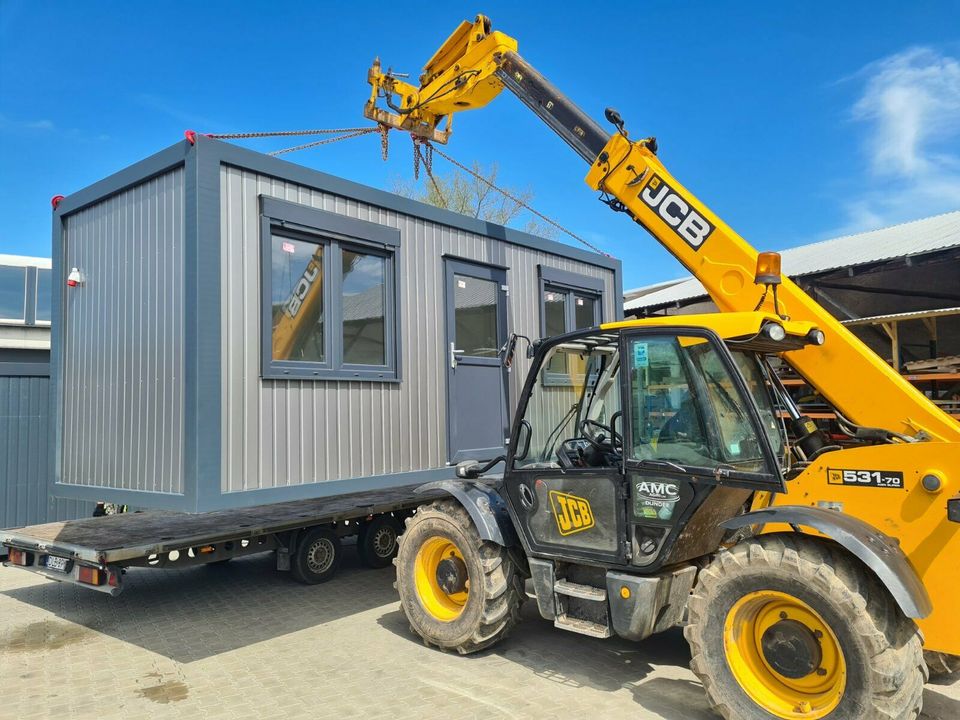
(471, 68)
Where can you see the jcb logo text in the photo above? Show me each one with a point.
(573, 514)
(676, 212)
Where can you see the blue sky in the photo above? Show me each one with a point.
(793, 123)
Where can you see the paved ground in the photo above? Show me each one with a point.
(242, 641)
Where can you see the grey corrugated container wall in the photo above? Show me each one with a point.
(157, 362)
(25, 452)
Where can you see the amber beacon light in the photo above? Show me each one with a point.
(768, 269)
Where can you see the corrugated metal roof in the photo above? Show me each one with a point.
(939, 232)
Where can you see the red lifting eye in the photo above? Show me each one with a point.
(55, 201)
(191, 136)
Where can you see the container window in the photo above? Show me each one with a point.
(364, 292)
(296, 300)
(44, 295)
(329, 295)
(13, 294)
(565, 309)
(475, 304)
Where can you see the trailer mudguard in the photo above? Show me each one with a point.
(874, 549)
(486, 507)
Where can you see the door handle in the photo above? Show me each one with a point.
(453, 355)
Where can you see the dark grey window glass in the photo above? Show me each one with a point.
(364, 293)
(13, 290)
(44, 294)
(584, 312)
(297, 299)
(555, 323)
(554, 312)
(475, 303)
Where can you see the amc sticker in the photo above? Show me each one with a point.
(865, 478)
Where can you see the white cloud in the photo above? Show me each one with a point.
(12, 124)
(910, 109)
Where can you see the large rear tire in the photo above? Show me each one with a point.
(940, 664)
(787, 626)
(459, 592)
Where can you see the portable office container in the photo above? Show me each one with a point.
(230, 329)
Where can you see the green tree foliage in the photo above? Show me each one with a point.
(468, 195)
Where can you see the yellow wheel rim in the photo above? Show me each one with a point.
(439, 604)
(771, 640)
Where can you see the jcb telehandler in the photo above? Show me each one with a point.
(658, 473)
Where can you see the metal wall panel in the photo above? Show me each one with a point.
(123, 340)
(288, 432)
(25, 441)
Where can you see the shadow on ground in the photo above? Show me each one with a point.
(199, 612)
(607, 665)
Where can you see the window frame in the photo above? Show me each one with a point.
(36, 297)
(571, 285)
(25, 316)
(336, 233)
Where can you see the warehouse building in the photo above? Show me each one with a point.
(25, 300)
(897, 289)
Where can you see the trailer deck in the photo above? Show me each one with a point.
(115, 539)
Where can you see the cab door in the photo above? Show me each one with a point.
(572, 510)
(694, 444)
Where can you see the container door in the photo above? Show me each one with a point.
(476, 379)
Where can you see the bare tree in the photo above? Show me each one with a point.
(468, 195)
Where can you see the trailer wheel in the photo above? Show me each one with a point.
(377, 541)
(317, 556)
(459, 592)
(786, 626)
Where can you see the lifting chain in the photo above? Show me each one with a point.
(283, 133)
(417, 142)
(316, 143)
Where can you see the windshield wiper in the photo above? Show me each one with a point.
(662, 463)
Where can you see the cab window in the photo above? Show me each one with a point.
(686, 408)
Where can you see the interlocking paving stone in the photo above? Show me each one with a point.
(244, 641)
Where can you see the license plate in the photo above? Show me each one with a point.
(59, 564)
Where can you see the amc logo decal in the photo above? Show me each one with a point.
(572, 513)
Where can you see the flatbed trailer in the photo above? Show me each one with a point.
(95, 552)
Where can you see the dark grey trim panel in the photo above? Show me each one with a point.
(572, 280)
(485, 506)
(312, 219)
(24, 369)
(462, 259)
(203, 325)
(247, 498)
(874, 549)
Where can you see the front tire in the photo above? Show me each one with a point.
(459, 592)
(787, 626)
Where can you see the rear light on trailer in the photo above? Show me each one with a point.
(89, 575)
(113, 579)
(19, 557)
(207, 549)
